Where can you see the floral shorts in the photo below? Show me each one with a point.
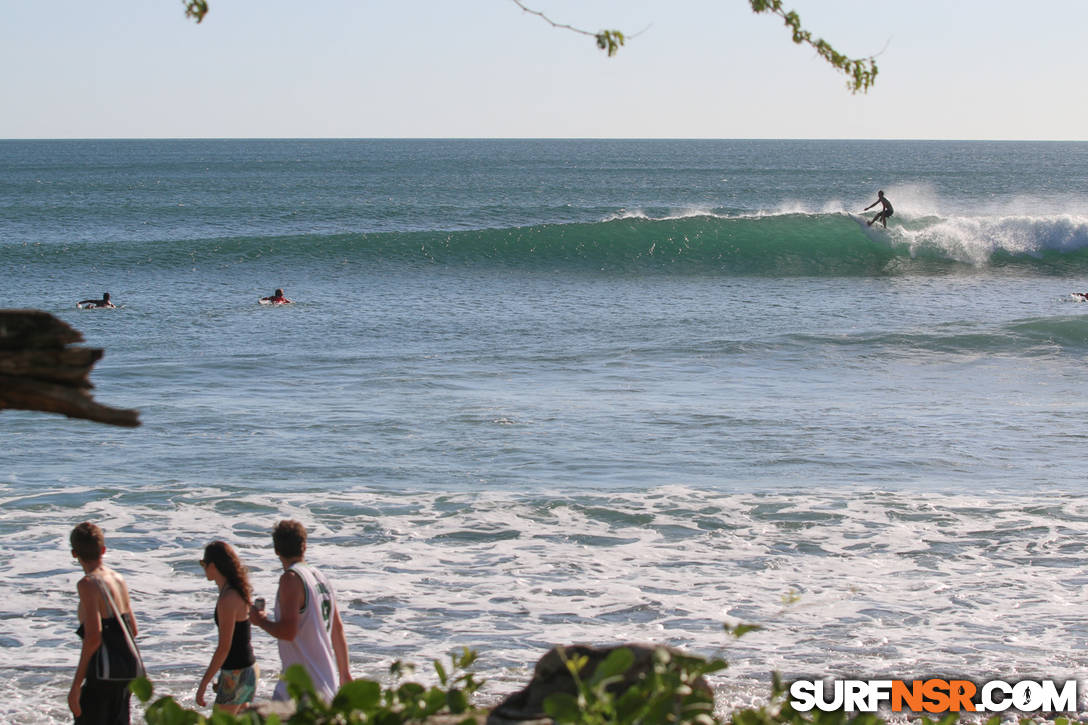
(236, 687)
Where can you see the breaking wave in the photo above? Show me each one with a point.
(784, 244)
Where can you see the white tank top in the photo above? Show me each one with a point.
(312, 646)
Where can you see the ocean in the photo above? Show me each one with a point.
(537, 392)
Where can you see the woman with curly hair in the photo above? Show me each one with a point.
(233, 658)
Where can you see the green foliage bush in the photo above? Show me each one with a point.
(359, 701)
(670, 692)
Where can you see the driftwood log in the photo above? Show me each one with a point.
(39, 371)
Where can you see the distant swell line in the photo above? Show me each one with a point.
(1041, 335)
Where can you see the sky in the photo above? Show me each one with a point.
(949, 69)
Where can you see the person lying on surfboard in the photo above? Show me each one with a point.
(885, 212)
(104, 302)
(277, 299)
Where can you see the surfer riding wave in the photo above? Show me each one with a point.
(884, 213)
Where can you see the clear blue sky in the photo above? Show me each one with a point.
(949, 69)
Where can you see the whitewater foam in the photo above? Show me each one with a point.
(885, 583)
(979, 241)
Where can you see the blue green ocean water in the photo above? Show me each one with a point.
(539, 392)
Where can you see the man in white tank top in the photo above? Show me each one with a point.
(307, 621)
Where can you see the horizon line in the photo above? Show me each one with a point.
(531, 138)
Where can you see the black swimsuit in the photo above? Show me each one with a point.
(240, 655)
(100, 701)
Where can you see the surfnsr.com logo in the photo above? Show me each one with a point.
(934, 695)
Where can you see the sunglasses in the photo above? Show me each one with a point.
(203, 564)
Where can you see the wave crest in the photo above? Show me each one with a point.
(776, 244)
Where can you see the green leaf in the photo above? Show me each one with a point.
(142, 688)
(660, 709)
(777, 686)
(221, 717)
(746, 717)
(441, 671)
(575, 665)
(610, 41)
(299, 684)
(562, 707)
(401, 669)
(630, 703)
(614, 666)
(457, 701)
(435, 699)
(362, 695)
(466, 660)
(410, 690)
(196, 9)
(742, 629)
(165, 711)
(835, 717)
(706, 668)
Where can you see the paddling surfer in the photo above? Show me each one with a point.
(884, 213)
(104, 302)
(277, 299)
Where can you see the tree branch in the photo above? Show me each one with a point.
(23, 394)
(39, 372)
(607, 40)
(860, 72)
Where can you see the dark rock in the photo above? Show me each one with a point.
(551, 676)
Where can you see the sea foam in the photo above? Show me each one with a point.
(844, 583)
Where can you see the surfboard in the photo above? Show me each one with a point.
(272, 302)
(875, 232)
(861, 221)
